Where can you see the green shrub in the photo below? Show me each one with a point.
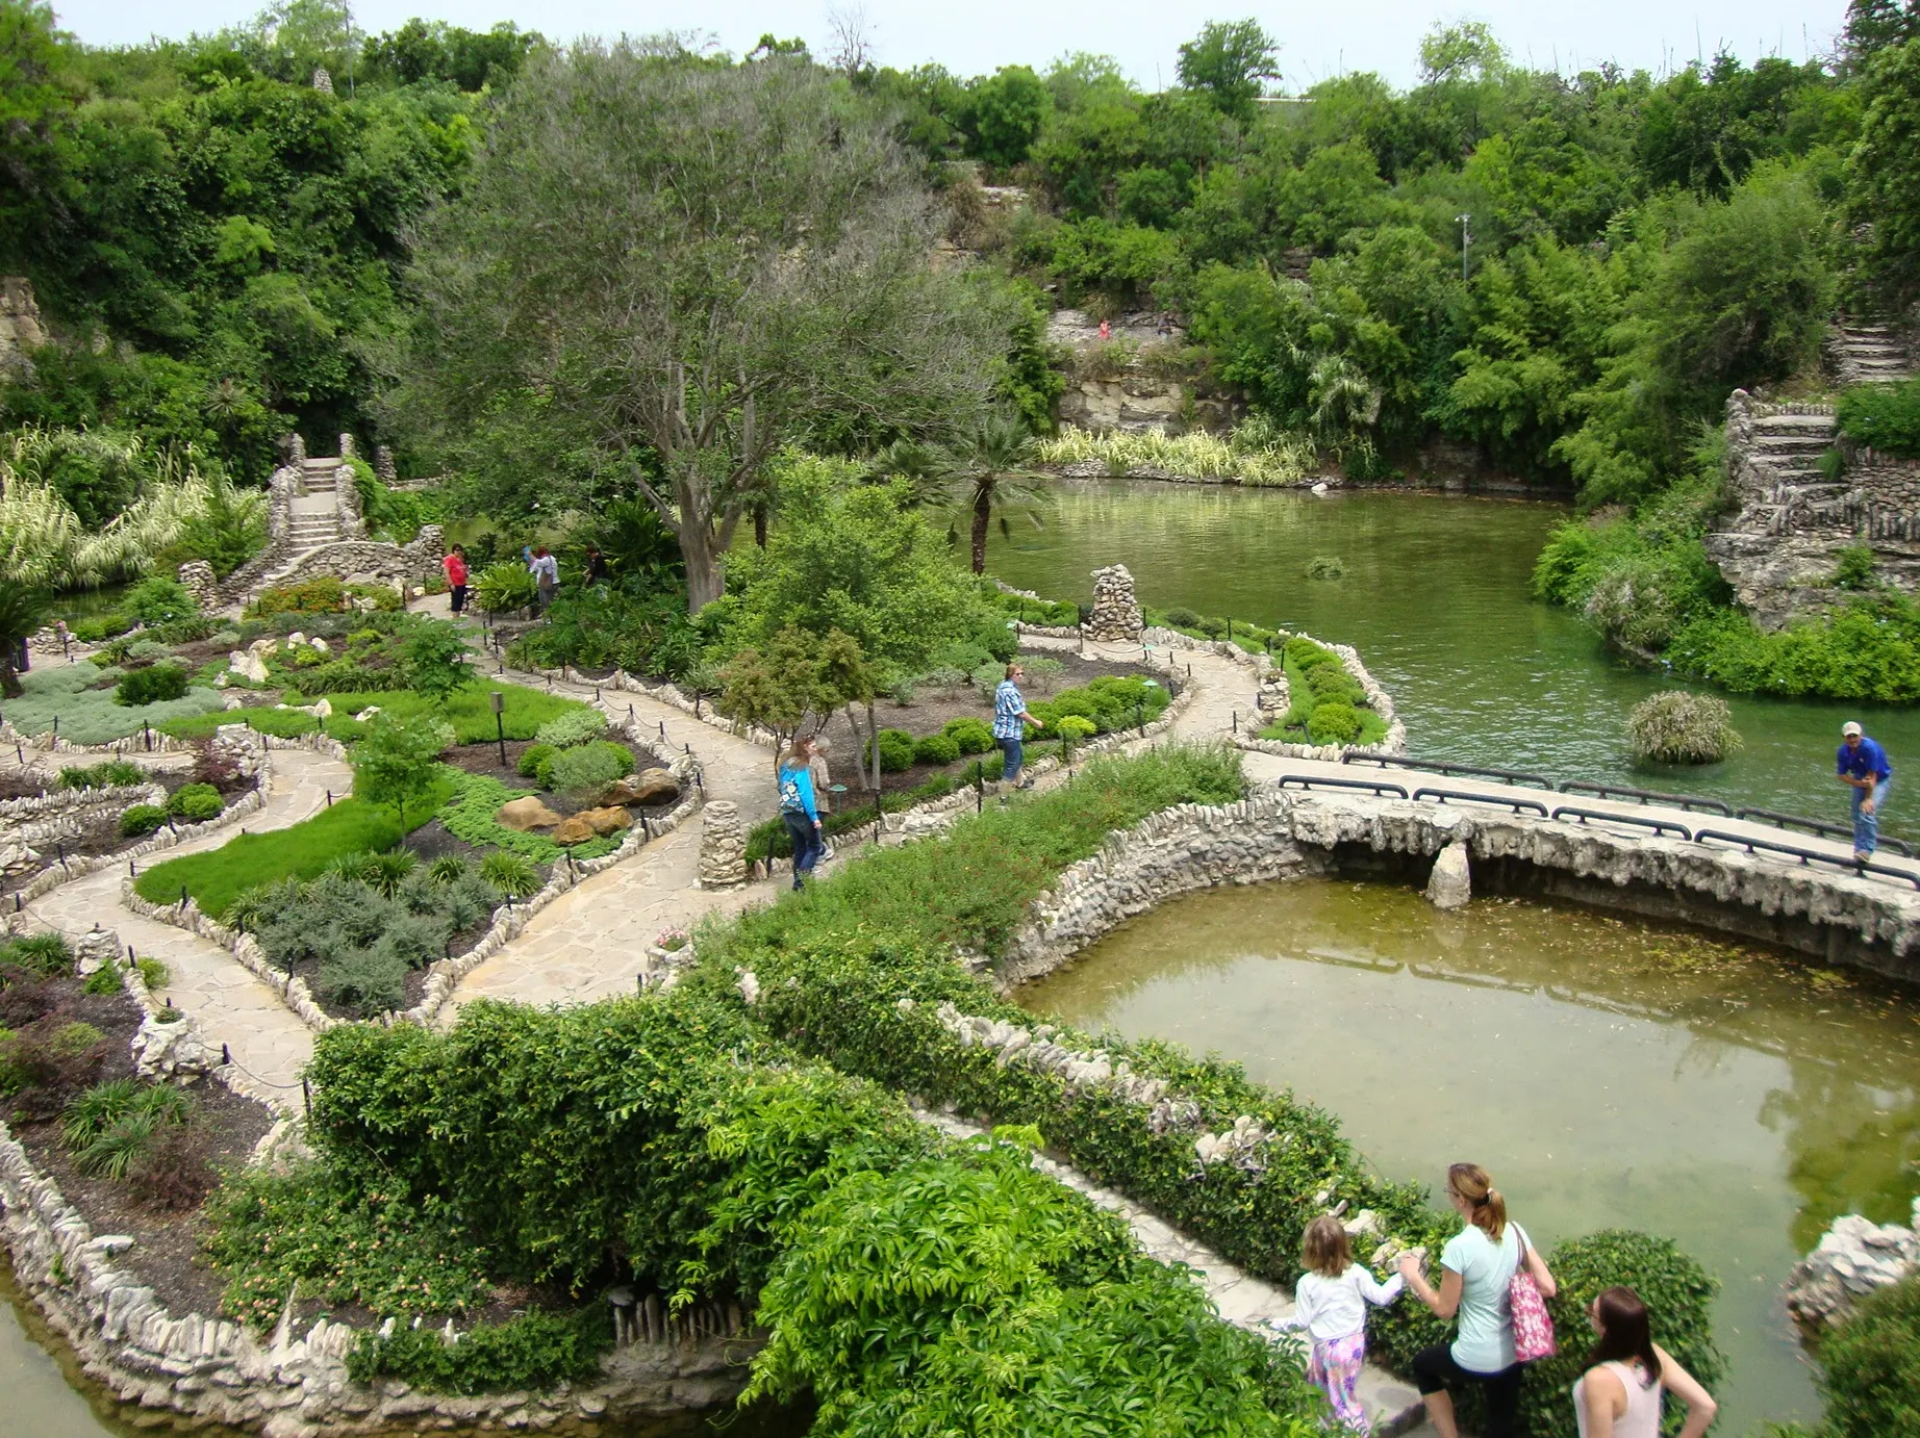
(112, 1125)
(145, 651)
(535, 1351)
(196, 803)
(1678, 1292)
(590, 767)
(1333, 723)
(1075, 727)
(364, 982)
(502, 587)
(536, 762)
(191, 629)
(141, 820)
(1853, 567)
(1304, 654)
(100, 627)
(151, 686)
(511, 873)
(1331, 683)
(105, 980)
(42, 955)
(1180, 619)
(1833, 465)
(1871, 1366)
(157, 600)
(972, 736)
(1111, 702)
(1883, 417)
(112, 774)
(324, 595)
(1678, 727)
(153, 973)
(523, 710)
(576, 726)
(896, 751)
(933, 749)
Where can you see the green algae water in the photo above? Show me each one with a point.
(1436, 598)
(1608, 1072)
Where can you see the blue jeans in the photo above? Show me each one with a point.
(1016, 756)
(1866, 827)
(806, 844)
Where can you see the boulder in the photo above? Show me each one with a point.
(1450, 885)
(575, 830)
(529, 813)
(649, 786)
(295, 640)
(248, 665)
(319, 645)
(609, 820)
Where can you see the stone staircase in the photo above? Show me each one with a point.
(316, 517)
(1862, 352)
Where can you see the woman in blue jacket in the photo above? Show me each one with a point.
(799, 810)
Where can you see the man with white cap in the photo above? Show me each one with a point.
(1863, 766)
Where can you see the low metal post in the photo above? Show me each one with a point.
(306, 1098)
(226, 1055)
(498, 702)
(329, 798)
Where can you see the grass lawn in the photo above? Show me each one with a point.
(219, 876)
(282, 723)
(468, 711)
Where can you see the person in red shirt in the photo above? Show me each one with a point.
(456, 566)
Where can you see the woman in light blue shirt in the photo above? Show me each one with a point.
(1476, 1267)
(799, 810)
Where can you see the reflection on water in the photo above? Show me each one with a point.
(1436, 598)
(1609, 1072)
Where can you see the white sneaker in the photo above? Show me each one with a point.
(826, 853)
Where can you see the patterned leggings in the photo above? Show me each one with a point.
(1335, 1365)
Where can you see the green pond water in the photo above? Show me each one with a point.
(1608, 1072)
(1436, 599)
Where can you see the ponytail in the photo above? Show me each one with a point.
(1486, 1208)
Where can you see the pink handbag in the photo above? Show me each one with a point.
(1532, 1327)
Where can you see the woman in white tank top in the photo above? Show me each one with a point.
(1619, 1394)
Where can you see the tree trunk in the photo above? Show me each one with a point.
(982, 512)
(760, 524)
(10, 687)
(706, 571)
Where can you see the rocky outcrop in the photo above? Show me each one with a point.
(1853, 1258)
(1450, 885)
(1134, 379)
(723, 847)
(1116, 609)
(20, 327)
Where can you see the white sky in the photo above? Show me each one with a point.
(979, 35)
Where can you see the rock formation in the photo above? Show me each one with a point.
(723, 847)
(1116, 612)
(1852, 1259)
(1451, 883)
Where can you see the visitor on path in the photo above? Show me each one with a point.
(1477, 1268)
(822, 788)
(1862, 764)
(1009, 715)
(596, 565)
(455, 565)
(1330, 1302)
(799, 810)
(1619, 1394)
(1106, 330)
(545, 570)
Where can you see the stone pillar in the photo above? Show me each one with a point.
(97, 948)
(1116, 612)
(296, 450)
(1451, 883)
(196, 577)
(383, 465)
(723, 846)
(346, 446)
(322, 81)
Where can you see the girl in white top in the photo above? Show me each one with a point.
(1330, 1302)
(1619, 1394)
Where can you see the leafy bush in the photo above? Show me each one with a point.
(48, 1059)
(576, 726)
(535, 762)
(111, 1125)
(151, 686)
(502, 587)
(1853, 567)
(1075, 727)
(324, 595)
(112, 774)
(153, 973)
(105, 980)
(535, 1351)
(143, 651)
(1111, 702)
(196, 803)
(896, 751)
(932, 749)
(970, 735)
(1678, 727)
(100, 627)
(157, 600)
(511, 873)
(141, 820)
(1871, 1366)
(591, 767)
(365, 982)
(1326, 566)
(1883, 417)
(1678, 1293)
(39, 955)
(1333, 723)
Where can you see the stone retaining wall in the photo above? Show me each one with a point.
(370, 559)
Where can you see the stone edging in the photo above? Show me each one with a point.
(443, 975)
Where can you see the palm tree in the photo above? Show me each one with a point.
(21, 610)
(994, 467)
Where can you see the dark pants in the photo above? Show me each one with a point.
(1435, 1368)
(1016, 757)
(806, 844)
(459, 592)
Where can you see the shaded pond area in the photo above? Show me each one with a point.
(1608, 1072)
(1436, 597)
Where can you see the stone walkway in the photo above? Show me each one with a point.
(232, 1007)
